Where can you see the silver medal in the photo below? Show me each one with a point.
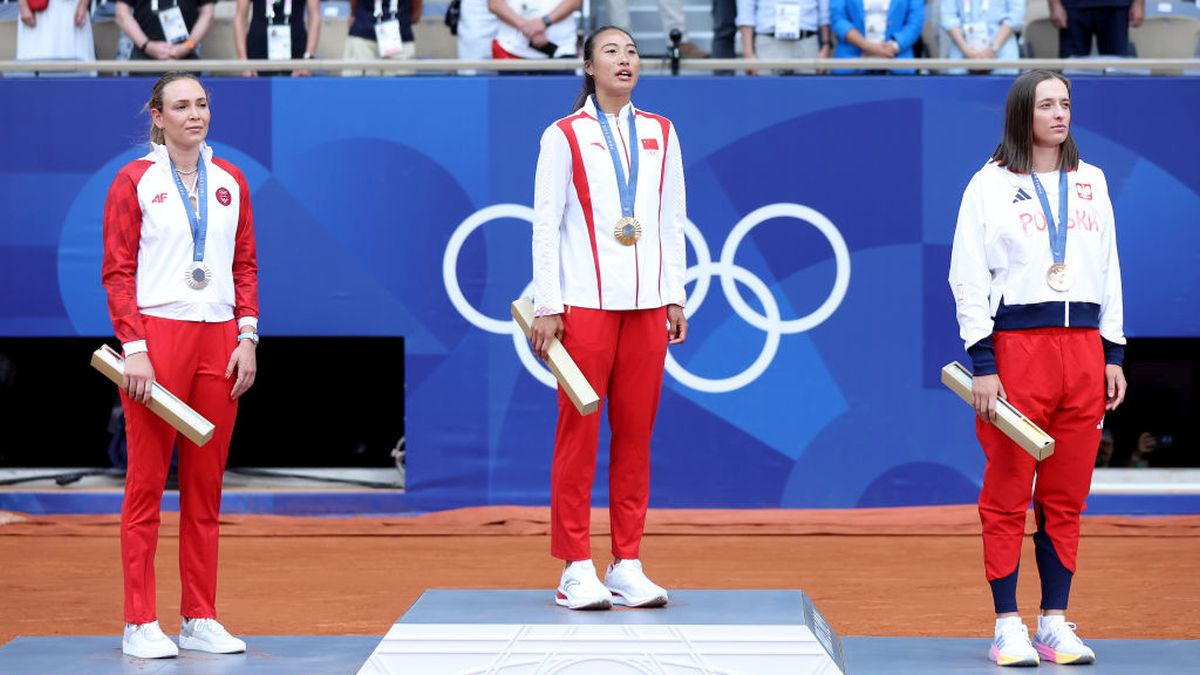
(197, 276)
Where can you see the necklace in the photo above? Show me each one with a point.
(181, 172)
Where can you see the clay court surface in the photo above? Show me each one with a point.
(876, 572)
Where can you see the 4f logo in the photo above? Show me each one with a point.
(159, 198)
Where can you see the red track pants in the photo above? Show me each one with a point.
(621, 353)
(189, 359)
(1056, 377)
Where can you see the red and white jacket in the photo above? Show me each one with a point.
(148, 248)
(577, 260)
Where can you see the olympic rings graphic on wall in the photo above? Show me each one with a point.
(702, 273)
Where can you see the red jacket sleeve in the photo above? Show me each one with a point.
(245, 251)
(122, 236)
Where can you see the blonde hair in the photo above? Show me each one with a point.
(156, 100)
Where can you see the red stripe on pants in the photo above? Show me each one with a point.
(1056, 377)
(189, 359)
(621, 353)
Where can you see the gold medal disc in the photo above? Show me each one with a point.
(628, 231)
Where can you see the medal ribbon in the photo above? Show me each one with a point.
(1058, 234)
(628, 189)
(199, 224)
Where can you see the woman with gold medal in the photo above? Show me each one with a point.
(1037, 285)
(608, 269)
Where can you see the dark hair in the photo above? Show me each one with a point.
(156, 100)
(1015, 152)
(589, 83)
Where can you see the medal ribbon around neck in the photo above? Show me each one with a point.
(199, 223)
(1058, 234)
(628, 190)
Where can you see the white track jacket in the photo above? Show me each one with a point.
(1001, 255)
(577, 260)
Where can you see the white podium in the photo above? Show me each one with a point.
(464, 632)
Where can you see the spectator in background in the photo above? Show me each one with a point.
(772, 29)
(671, 12)
(381, 30)
(534, 29)
(724, 18)
(257, 42)
(476, 30)
(60, 30)
(983, 29)
(876, 28)
(1147, 443)
(165, 30)
(1108, 20)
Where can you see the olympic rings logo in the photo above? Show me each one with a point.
(702, 273)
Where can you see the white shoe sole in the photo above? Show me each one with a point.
(653, 601)
(196, 645)
(164, 654)
(595, 604)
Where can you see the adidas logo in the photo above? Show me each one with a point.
(1022, 195)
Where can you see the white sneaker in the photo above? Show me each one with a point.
(630, 587)
(580, 589)
(147, 641)
(1056, 641)
(208, 635)
(1010, 646)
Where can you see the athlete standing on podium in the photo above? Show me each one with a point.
(608, 266)
(181, 272)
(1037, 285)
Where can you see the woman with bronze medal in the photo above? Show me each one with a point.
(1038, 295)
(182, 280)
(608, 268)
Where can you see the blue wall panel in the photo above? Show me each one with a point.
(359, 187)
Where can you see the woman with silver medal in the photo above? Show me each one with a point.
(608, 260)
(1037, 287)
(181, 274)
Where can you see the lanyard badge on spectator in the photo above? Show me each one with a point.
(387, 33)
(279, 36)
(875, 22)
(975, 28)
(171, 19)
(787, 20)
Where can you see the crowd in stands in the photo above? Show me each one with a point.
(541, 29)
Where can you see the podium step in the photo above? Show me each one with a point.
(524, 632)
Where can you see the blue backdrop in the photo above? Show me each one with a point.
(399, 207)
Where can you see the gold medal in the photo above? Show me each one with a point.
(628, 231)
(1058, 277)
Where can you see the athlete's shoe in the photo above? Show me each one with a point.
(147, 641)
(630, 587)
(207, 635)
(1010, 646)
(1057, 642)
(580, 589)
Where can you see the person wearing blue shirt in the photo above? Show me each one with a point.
(983, 29)
(784, 29)
(876, 28)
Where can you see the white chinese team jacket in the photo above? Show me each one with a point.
(1001, 255)
(577, 260)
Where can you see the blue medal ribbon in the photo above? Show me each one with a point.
(199, 224)
(628, 190)
(1058, 233)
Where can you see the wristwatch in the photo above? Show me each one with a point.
(251, 336)
(546, 20)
